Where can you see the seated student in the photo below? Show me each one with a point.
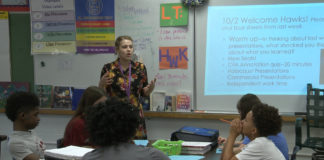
(244, 106)
(260, 122)
(75, 132)
(112, 126)
(22, 109)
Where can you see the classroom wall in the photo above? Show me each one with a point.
(51, 128)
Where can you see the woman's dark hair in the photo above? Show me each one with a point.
(244, 105)
(112, 122)
(89, 97)
(20, 102)
(119, 39)
(266, 119)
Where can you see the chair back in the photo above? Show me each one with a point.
(59, 143)
(314, 108)
(314, 120)
(2, 138)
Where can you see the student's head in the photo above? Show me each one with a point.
(124, 47)
(244, 105)
(112, 122)
(90, 96)
(23, 106)
(263, 120)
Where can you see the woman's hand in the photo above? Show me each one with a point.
(105, 81)
(149, 88)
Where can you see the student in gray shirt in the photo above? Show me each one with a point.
(22, 110)
(112, 125)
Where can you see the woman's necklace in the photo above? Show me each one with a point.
(127, 88)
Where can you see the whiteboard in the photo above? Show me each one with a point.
(140, 20)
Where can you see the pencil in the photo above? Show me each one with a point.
(224, 120)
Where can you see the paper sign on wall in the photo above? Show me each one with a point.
(173, 57)
(173, 14)
(53, 27)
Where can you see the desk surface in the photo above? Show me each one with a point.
(211, 155)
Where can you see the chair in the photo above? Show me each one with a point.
(2, 138)
(314, 120)
(59, 143)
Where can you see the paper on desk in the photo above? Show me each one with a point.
(69, 152)
(185, 157)
(141, 142)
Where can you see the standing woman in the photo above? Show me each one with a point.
(126, 79)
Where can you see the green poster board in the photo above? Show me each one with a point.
(22, 64)
(173, 14)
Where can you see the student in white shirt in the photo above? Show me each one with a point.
(22, 110)
(260, 122)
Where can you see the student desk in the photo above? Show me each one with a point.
(211, 155)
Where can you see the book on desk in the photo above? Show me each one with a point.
(200, 148)
(69, 152)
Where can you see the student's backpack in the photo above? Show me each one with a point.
(190, 133)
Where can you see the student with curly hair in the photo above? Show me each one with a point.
(260, 122)
(75, 132)
(244, 105)
(22, 109)
(112, 126)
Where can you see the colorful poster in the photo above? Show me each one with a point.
(45, 95)
(183, 103)
(7, 88)
(95, 26)
(14, 5)
(173, 14)
(53, 26)
(62, 97)
(173, 57)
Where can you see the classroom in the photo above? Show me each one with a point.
(215, 57)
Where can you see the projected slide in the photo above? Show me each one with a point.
(264, 49)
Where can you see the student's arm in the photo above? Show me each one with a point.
(238, 145)
(235, 130)
(238, 149)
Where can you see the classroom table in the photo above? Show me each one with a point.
(211, 155)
